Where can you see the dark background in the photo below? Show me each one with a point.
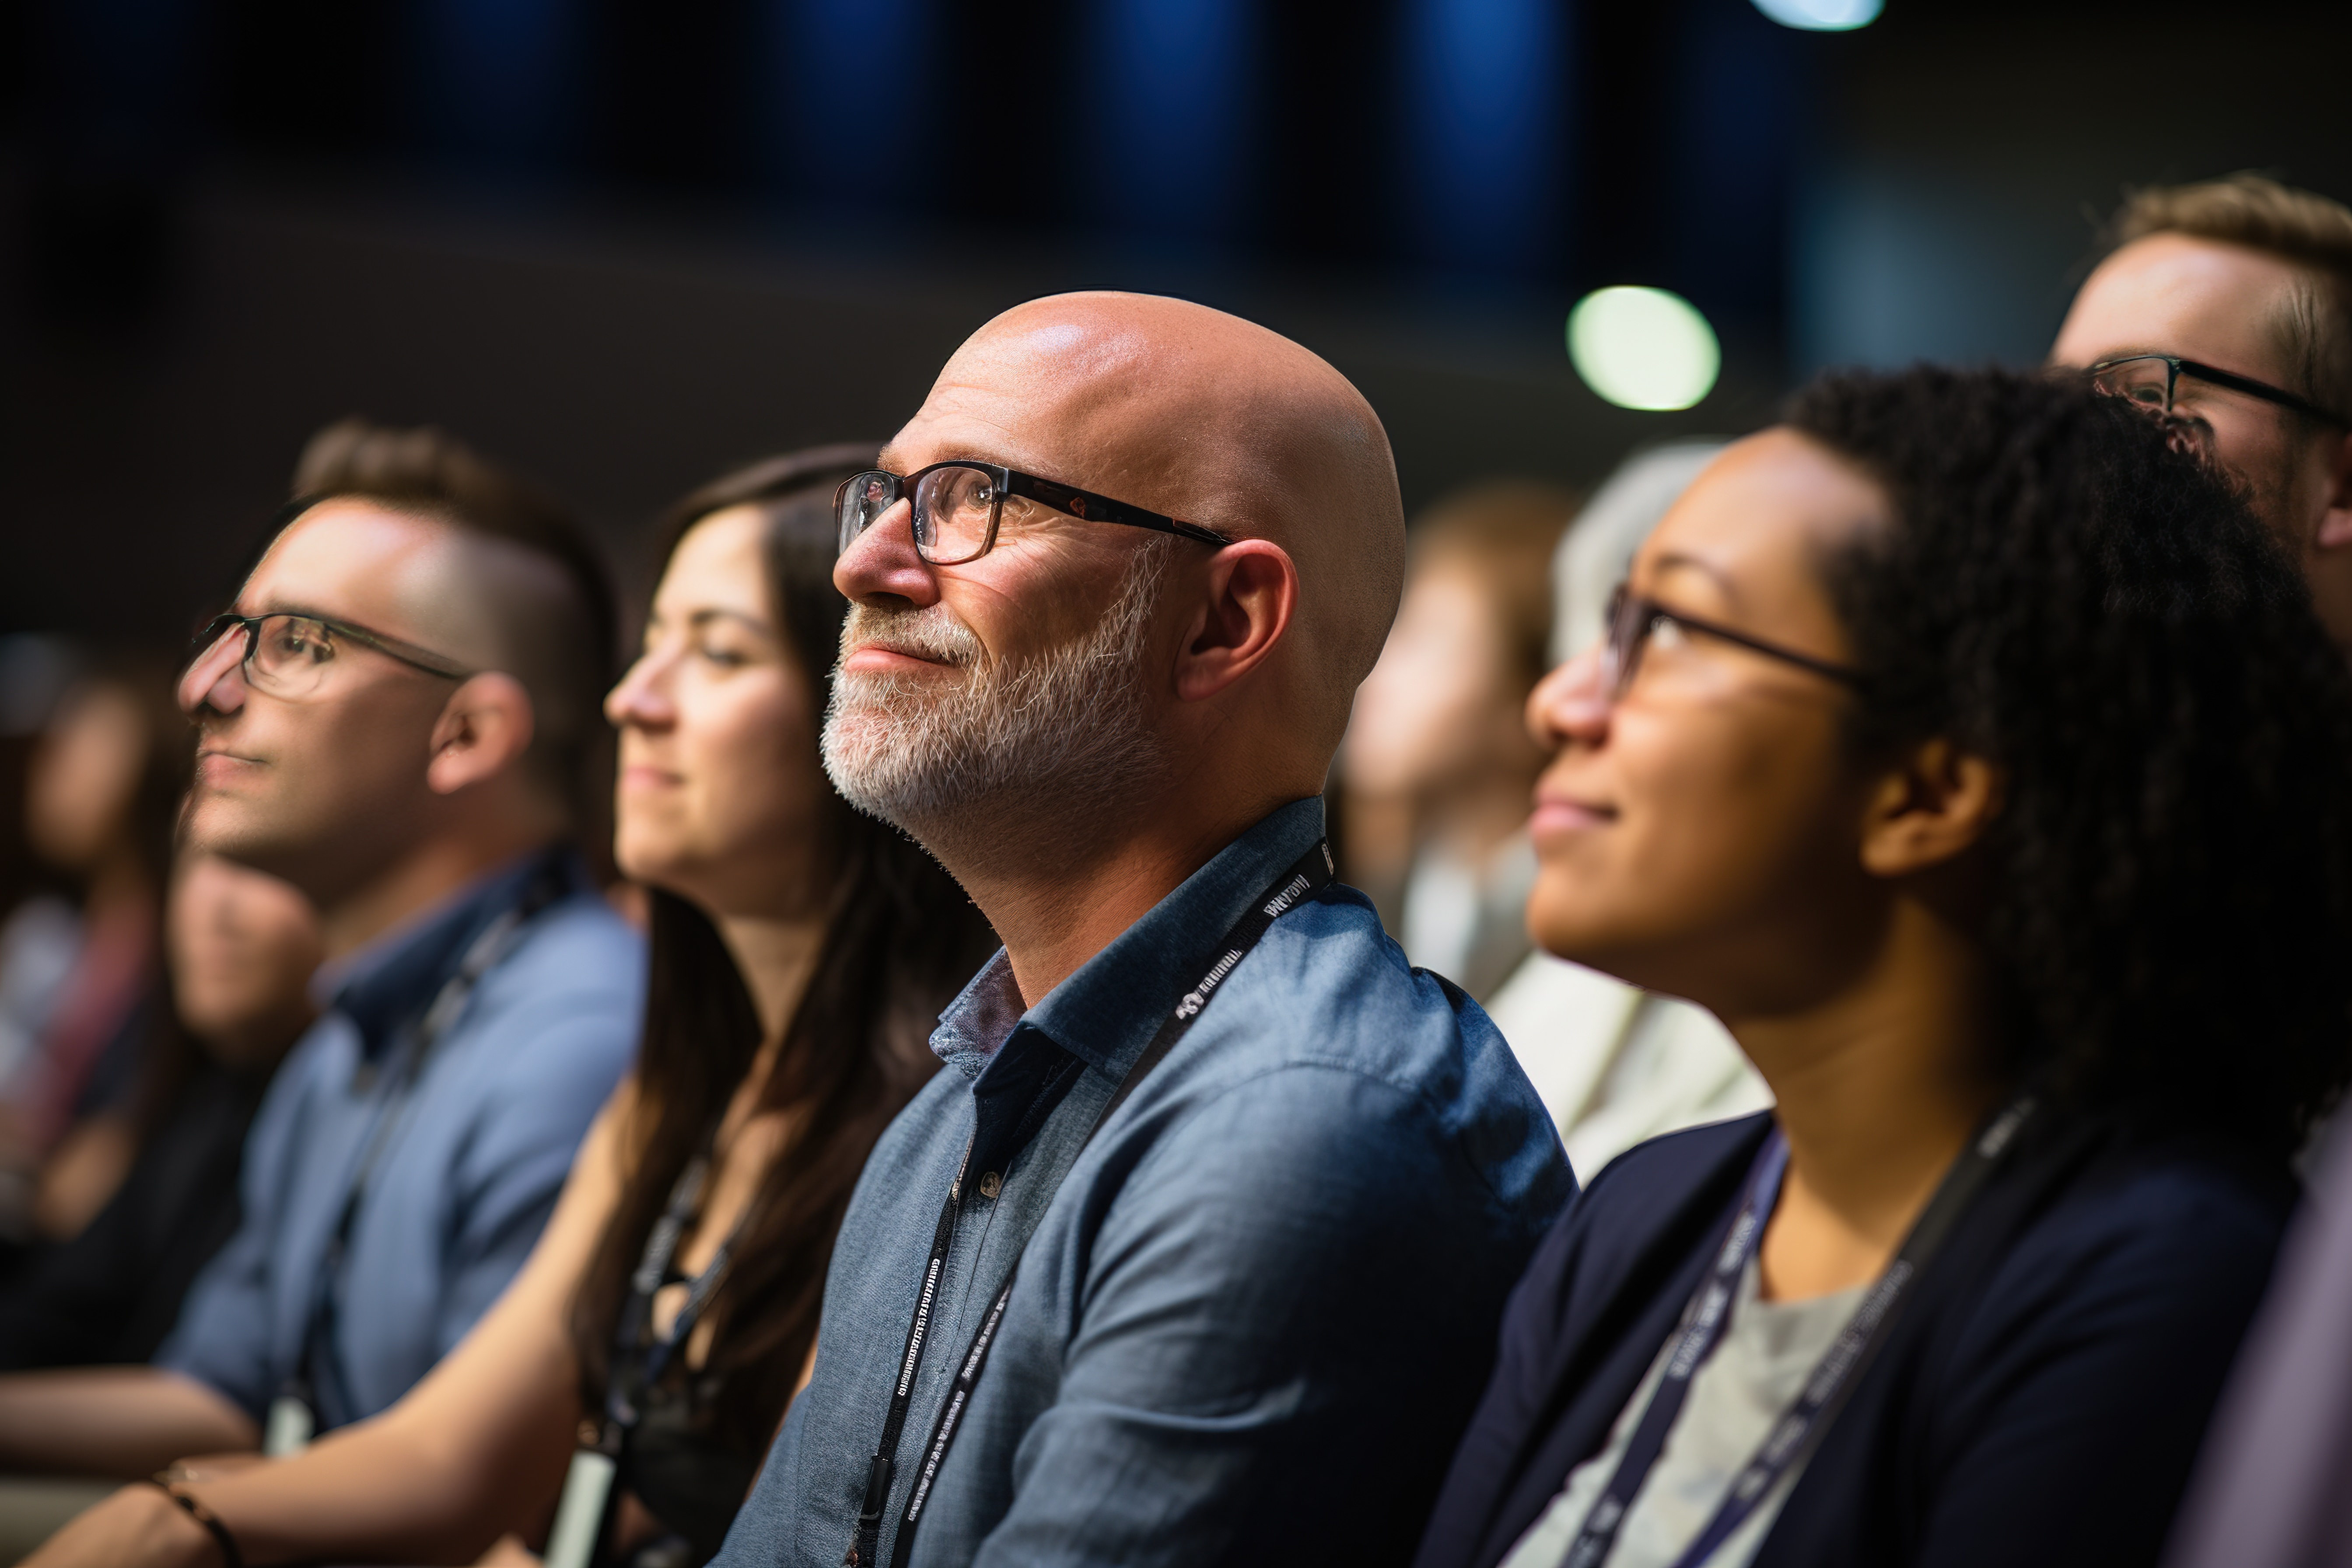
(623, 242)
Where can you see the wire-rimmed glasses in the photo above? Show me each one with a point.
(958, 505)
(1632, 620)
(289, 653)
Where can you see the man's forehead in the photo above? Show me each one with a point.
(987, 422)
(2174, 293)
(347, 557)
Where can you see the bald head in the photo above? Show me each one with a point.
(1215, 420)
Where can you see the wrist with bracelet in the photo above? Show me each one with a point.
(170, 1483)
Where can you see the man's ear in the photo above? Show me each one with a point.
(1252, 594)
(2336, 523)
(483, 730)
(1929, 809)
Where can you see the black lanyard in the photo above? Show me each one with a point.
(1800, 1427)
(317, 1369)
(592, 1490)
(639, 1359)
(1306, 877)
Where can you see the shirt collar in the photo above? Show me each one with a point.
(392, 980)
(1108, 1011)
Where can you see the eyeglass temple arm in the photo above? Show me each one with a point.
(2253, 388)
(1102, 509)
(1754, 645)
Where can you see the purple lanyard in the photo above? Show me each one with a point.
(1799, 1429)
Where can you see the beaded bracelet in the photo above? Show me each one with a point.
(190, 1504)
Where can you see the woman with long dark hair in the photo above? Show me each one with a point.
(800, 953)
(1979, 761)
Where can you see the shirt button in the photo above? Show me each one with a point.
(991, 1184)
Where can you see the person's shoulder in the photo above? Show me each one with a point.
(1327, 1042)
(578, 952)
(1329, 988)
(566, 1004)
(1659, 1186)
(1666, 1170)
(2177, 1215)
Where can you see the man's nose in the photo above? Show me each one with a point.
(1572, 703)
(216, 680)
(882, 563)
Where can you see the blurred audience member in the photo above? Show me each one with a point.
(800, 953)
(1915, 752)
(1438, 737)
(1597, 552)
(38, 933)
(1616, 1064)
(2226, 307)
(392, 721)
(102, 789)
(240, 948)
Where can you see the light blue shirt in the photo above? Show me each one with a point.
(1256, 1313)
(472, 1167)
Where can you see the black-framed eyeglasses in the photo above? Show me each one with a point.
(289, 653)
(2153, 382)
(1632, 620)
(958, 505)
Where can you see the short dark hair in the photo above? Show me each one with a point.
(2064, 594)
(428, 472)
(2310, 231)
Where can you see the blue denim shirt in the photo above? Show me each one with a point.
(472, 1166)
(1257, 1309)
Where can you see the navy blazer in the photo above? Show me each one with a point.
(2038, 1399)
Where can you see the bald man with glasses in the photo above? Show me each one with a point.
(1195, 1250)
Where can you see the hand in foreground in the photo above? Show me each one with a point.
(508, 1552)
(138, 1527)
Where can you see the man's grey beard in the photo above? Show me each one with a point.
(1064, 733)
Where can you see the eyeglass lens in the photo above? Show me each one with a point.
(954, 507)
(2178, 403)
(2145, 383)
(288, 658)
(1622, 651)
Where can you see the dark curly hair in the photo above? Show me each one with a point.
(2102, 618)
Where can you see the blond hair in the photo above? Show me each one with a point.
(2311, 232)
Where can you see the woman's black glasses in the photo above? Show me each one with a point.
(958, 505)
(1632, 620)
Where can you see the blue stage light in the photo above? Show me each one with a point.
(1482, 116)
(1165, 106)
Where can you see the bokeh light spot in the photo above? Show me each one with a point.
(1644, 348)
(1821, 16)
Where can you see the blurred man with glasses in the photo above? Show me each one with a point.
(2226, 309)
(397, 717)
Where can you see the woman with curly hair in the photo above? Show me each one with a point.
(1976, 758)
